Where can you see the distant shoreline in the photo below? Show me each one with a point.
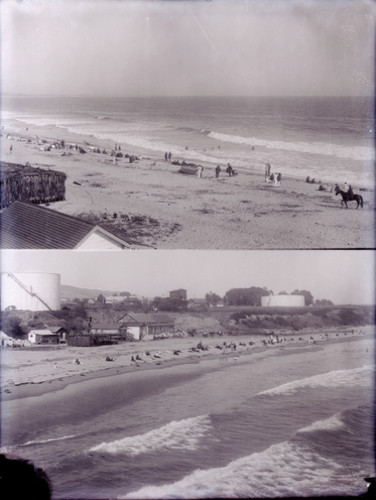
(56, 380)
(185, 212)
(52, 132)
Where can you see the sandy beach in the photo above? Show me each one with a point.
(40, 369)
(152, 202)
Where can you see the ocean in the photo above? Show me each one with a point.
(328, 138)
(292, 423)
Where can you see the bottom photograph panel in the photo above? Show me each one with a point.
(187, 374)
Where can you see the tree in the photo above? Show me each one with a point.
(308, 297)
(212, 299)
(101, 299)
(283, 293)
(167, 304)
(246, 296)
(323, 302)
(11, 325)
(76, 319)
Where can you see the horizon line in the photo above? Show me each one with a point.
(143, 96)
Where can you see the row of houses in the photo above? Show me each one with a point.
(48, 336)
(130, 327)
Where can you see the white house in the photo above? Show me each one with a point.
(147, 325)
(24, 225)
(43, 337)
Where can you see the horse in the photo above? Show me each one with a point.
(349, 197)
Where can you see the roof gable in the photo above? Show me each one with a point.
(57, 329)
(41, 332)
(99, 238)
(147, 318)
(24, 225)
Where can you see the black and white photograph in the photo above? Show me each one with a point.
(223, 124)
(229, 145)
(228, 374)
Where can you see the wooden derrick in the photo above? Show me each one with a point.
(28, 184)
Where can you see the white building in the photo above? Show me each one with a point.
(283, 301)
(24, 225)
(44, 337)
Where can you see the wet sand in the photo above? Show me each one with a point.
(39, 370)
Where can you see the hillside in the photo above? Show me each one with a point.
(72, 292)
(236, 321)
(243, 320)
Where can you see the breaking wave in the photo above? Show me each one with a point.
(183, 434)
(354, 152)
(312, 463)
(286, 469)
(328, 424)
(336, 378)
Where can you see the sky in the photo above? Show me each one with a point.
(187, 47)
(342, 276)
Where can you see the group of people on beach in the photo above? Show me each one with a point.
(271, 177)
(229, 170)
(227, 347)
(167, 156)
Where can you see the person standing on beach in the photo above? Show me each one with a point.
(229, 170)
(217, 171)
(11, 149)
(166, 156)
(267, 171)
(169, 156)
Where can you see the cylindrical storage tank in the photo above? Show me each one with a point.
(30, 291)
(283, 301)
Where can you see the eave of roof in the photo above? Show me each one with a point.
(107, 235)
(106, 326)
(24, 226)
(150, 319)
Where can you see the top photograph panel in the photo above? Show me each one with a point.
(187, 124)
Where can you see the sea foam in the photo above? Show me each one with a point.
(327, 424)
(177, 435)
(323, 148)
(284, 469)
(36, 442)
(336, 378)
(48, 440)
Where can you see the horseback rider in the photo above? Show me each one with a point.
(349, 196)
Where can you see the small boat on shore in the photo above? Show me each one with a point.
(189, 169)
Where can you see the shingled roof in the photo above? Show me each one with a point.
(27, 226)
